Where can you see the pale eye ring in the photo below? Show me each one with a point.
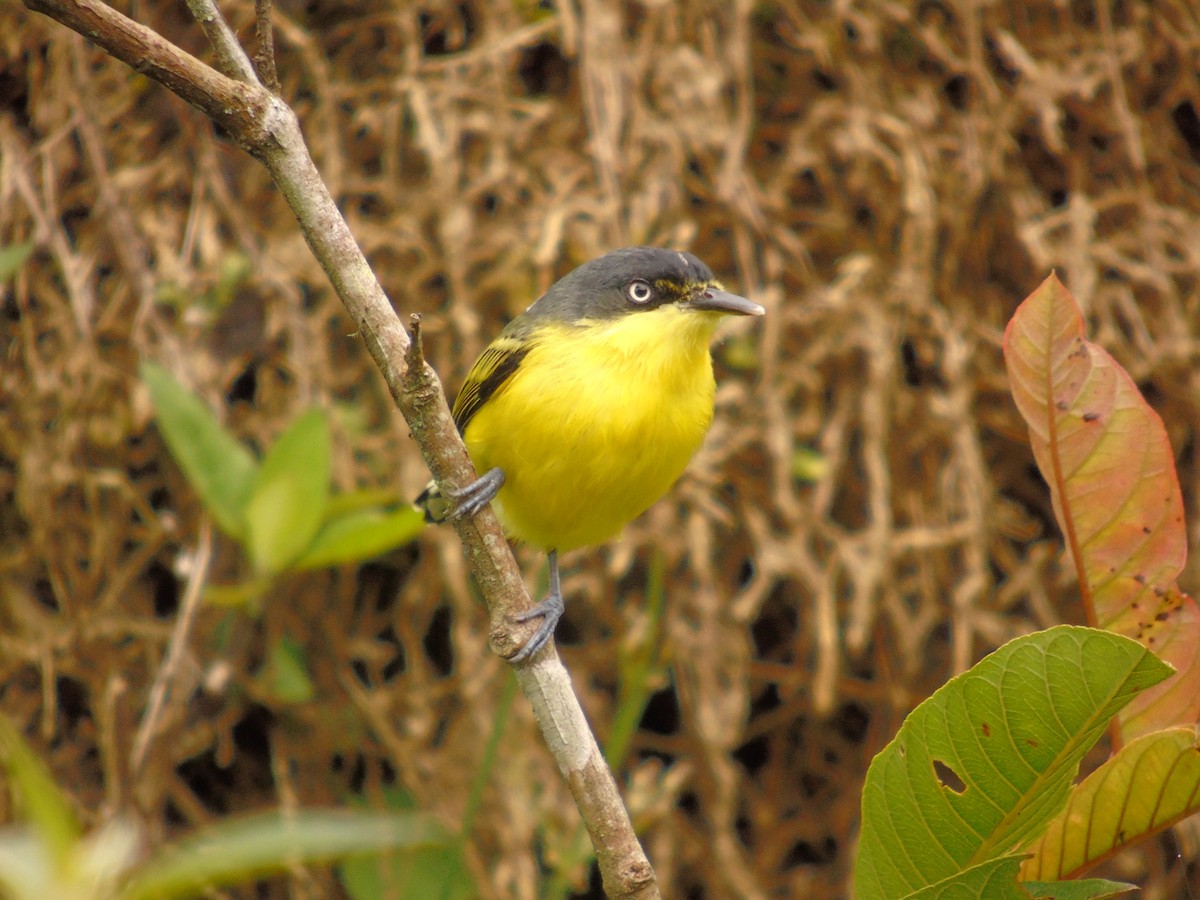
(639, 292)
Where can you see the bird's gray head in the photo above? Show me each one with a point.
(635, 279)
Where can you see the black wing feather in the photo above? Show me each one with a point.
(495, 366)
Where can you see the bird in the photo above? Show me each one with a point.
(588, 406)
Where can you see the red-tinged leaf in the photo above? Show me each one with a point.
(1171, 628)
(1105, 454)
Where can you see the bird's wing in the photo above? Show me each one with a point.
(495, 366)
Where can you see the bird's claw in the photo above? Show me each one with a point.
(550, 610)
(471, 498)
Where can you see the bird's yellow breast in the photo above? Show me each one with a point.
(596, 424)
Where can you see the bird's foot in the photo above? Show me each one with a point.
(471, 498)
(550, 611)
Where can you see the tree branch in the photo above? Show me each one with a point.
(264, 50)
(268, 130)
(231, 57)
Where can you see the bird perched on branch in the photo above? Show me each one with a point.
(589, 405)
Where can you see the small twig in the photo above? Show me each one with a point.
(481, 534)
(111, 727)
(167, 674)
(237, 108)
(77, 274)
(264, 53)
(127, 242)
(231, 58)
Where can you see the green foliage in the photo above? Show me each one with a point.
(287, 503)
(242, 849)
(1150, 784)
(220, 469)
(991, 880)
(44, 805)
(233, 271)
(361, 535)
(437, 872)
(280, 509)
(1084, 889)
(808, 465)
(981, 767)
(236, 269)
(285, 675)
(52, 857)
(641, 669)
(12, 258)
(981, 774)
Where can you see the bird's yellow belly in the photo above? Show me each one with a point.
(598, 440)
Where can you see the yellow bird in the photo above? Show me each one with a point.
(589, 405)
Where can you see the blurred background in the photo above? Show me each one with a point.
(865, 520)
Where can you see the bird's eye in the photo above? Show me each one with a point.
(639, 292)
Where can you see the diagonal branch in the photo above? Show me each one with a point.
(268, 130)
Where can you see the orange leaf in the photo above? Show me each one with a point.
(1105, 454)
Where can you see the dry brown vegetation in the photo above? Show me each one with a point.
(889, 179)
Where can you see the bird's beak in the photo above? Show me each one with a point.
(713, 299)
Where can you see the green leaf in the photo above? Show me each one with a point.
(981, 766)
(361, 535)
(285, 674)
(241, 850)
(808, 465)
(1152, 783)
(1105, 455)
(46, 808)
(287, 503)
(239, 594)
(1087, 889)
(995, 879)
(219, 467)
(437, 872)
(641, 670)
(434, 872)
(12, 258)
(235, 268)
(347, 502)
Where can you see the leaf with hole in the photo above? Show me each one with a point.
(983, 765)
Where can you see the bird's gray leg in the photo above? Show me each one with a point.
(473, 497)
(550, 610)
